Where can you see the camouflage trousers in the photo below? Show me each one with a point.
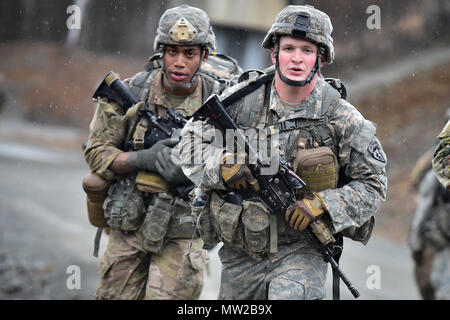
(440, 274)
(297, 276)
(432, 272)
(129, 272)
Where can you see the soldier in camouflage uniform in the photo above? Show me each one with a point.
(270, 257)
(441, 157)
(149, 253)
(429, 237)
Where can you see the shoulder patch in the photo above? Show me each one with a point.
(375, 150)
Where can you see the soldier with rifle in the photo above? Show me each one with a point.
(281, 214)
(137, 188)
(429, 237)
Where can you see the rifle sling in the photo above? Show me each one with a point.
(239, 94)
(98, 236)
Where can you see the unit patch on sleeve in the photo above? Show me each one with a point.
(375, 150)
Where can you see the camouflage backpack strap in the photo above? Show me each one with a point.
(333, 91)
(254, 98)
(318, 130)
(211, 86)
(140, 85)
(221, 68)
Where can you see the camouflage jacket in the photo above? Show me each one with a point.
(441, 162)
(360, 156)
(110, 127)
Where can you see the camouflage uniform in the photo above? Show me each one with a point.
(146, 257)
(441, 159)
(429, 237)
(262, 256)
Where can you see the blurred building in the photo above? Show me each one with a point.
(240, 27)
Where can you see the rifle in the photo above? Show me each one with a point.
(115, 89)
(278, 191)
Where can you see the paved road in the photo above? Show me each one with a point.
(382, 270)
(44, 230)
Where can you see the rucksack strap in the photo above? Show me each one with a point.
(98, 236)
(244, 91)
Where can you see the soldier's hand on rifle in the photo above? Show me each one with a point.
(168, 163)
(304, 211)
(237, 175)
(146, 159)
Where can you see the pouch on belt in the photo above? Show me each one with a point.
(227, 218)
(96, 189)
(124, 207)
(201, 213)
(156, 223)
(151, 182)
(255, 218)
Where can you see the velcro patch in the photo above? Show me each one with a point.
(375, 150)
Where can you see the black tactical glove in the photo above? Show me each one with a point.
(146, 159)
(168, 164)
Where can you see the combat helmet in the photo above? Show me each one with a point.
(304, 22)
(184, 25)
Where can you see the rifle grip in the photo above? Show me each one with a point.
(322, 232)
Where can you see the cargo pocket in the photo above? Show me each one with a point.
(191, 276)
(198, 258)
(255, 218)
(155, 227)
(105, 289)
(227, 218)
(205, 228)
(182, 224)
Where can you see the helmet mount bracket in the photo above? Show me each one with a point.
(301, 25)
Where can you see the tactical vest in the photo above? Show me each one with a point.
(159, 215)
(250, 227)
(309, 132)
(140, 85)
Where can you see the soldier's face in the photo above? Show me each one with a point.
(296, 57)
(181, 63)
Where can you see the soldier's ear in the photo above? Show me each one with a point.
(272, 55)
(206, 55)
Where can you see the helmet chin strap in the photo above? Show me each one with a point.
(295, 83)
(187, 85)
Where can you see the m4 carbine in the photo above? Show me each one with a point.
(116, 90)
(278, 191)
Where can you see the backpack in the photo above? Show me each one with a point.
(218, 66)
